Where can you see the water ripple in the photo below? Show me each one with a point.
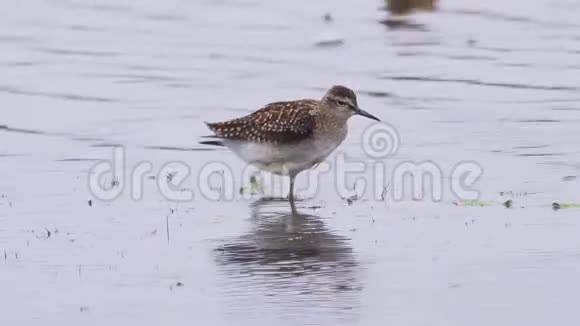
(482, 83)
(61, 96)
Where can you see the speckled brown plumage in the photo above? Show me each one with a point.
(277, 123)
(342, 92)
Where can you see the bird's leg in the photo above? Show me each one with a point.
(291, 193)
(293, 208)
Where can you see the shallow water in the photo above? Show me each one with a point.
(494, 82)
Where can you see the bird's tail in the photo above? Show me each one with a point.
(212, 141)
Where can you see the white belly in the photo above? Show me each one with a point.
(283, 159)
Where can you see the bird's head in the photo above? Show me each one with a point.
(343, 100)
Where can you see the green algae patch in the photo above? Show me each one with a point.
(557, 206)
(474, 203)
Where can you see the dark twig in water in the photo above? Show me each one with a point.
(167, 226)
(508, 203)
(178, 285)
(352, 199)
(327, 17)
(384, 193)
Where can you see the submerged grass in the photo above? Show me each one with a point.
(557, 206)
(509, 204)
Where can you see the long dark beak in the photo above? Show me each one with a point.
(364, 113)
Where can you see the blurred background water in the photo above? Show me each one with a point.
(495, 82)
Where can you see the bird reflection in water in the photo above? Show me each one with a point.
(290, 263)
(400, 10)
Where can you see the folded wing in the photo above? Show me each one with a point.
(278, 123)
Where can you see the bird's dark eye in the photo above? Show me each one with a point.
(341, 103)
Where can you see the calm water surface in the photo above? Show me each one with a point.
(494, 82)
